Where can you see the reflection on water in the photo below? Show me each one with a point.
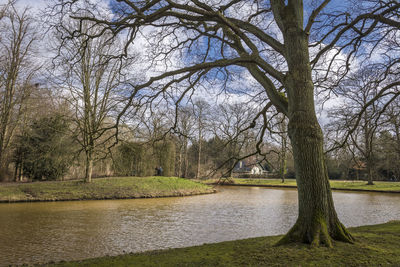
(53, 231)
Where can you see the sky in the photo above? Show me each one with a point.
(34, 4)
(38, 5)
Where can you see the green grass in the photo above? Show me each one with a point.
(377, 245)
(342, 185)
(102, 188)
(378, 186)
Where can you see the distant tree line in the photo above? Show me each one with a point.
(61, 118)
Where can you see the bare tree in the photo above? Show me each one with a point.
(17, 69)
(185, 132)
(228, 122)
(270, 41)
(390, 136)
(201, 110)
(357, 90)
(92, 79)
(5, 7)
(279, 147)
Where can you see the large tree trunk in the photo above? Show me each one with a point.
(317, 221)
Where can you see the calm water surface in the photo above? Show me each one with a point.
(54, 231)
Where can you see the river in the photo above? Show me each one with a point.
(54, 231)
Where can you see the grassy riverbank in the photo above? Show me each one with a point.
(377, 245)
(102, 188)
(339, 185)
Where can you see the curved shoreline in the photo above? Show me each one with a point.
(102, 189)
(106, 198)
(293, 186)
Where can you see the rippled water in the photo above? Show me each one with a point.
(54, 231)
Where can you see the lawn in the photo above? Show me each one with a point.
(335, 184)
(377, 245)
(102, 188)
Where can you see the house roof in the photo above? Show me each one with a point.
(247, 166)
(359, 165)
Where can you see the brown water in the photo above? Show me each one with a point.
(54, 231)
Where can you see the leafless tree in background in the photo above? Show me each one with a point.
(17, 70)
(390, 141)
(92, 79)
(357, 91)
(185, 132)
(228, 122)
(201, 113)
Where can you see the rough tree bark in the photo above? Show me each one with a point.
(317, 221)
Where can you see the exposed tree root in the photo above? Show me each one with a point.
(317, 234)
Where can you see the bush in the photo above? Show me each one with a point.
(130, 160)
(141, 159)
(45, 150)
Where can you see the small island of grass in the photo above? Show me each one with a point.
(102, 188)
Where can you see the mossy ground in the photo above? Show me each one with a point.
(102, 188)
(376, 245)
(343, 185)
